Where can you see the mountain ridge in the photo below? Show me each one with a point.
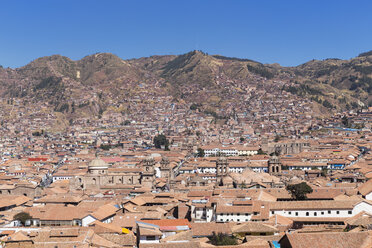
(195, 77)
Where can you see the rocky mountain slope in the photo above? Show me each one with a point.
(90, 85)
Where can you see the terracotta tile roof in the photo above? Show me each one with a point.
(281, 220)
(153, 215)
(329, 240)
(178, 237)
(59, 199)
(325, 193)
(57, 213)
(201, 193)
(148, 230)
(293, 205)
(207, 229)
(65, 232)
(98, 241)
(317, 219)
(257, 243)
(249, 227)
(360, 219)
(100, 227)
(124, 240)
(104, 212)
(172, 245)
(234, 209)
(128, 220)
(169, 223)
(17, 237)
(365, 188)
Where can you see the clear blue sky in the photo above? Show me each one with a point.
(287, 32)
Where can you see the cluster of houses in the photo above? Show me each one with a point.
(100, 182)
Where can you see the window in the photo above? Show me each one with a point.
(307, 213)
(289, 212)
(322, 213)
(272, 212)
(246, 214)
(337, 212)
(315, 213)
(296, 214)
(238, 220)
(349, 212)
(329, 211)
(150, 237)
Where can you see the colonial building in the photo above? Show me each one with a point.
(275, 167)
(148, 173)
(101, 175)
(289, 147)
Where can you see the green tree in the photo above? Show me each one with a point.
(242, 139)
(222, 239)
(193, 106)
(346, 121)
(299, 191)
(260, 152)
(22, 217)
(161, 140)
(200, 152)
(327, 104)
(105, 147)
(37, 134)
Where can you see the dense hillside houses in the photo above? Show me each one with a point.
(140, 168)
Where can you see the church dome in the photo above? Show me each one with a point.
(97, 163)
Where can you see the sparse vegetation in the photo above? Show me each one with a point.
(261, 152)
(299, 191)
(200, 153)
(259, 69)
(221, 239)
(161, 140)
(22, 217)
